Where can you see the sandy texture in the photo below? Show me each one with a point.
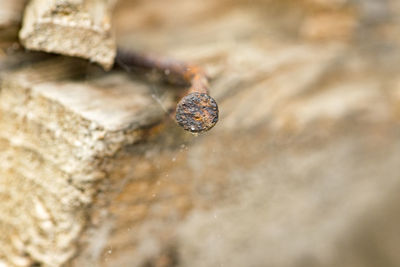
(73, 28)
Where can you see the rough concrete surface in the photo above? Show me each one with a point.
(74, 28)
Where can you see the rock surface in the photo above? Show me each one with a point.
(59, 136)
(80, 28)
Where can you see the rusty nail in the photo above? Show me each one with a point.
(197, 111)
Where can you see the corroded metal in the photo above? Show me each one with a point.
(197, 111)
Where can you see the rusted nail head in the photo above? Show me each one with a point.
(197, 112)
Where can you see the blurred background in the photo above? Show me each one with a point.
(302, 168)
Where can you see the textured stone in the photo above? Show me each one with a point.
(55, 140)
(75, 28)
